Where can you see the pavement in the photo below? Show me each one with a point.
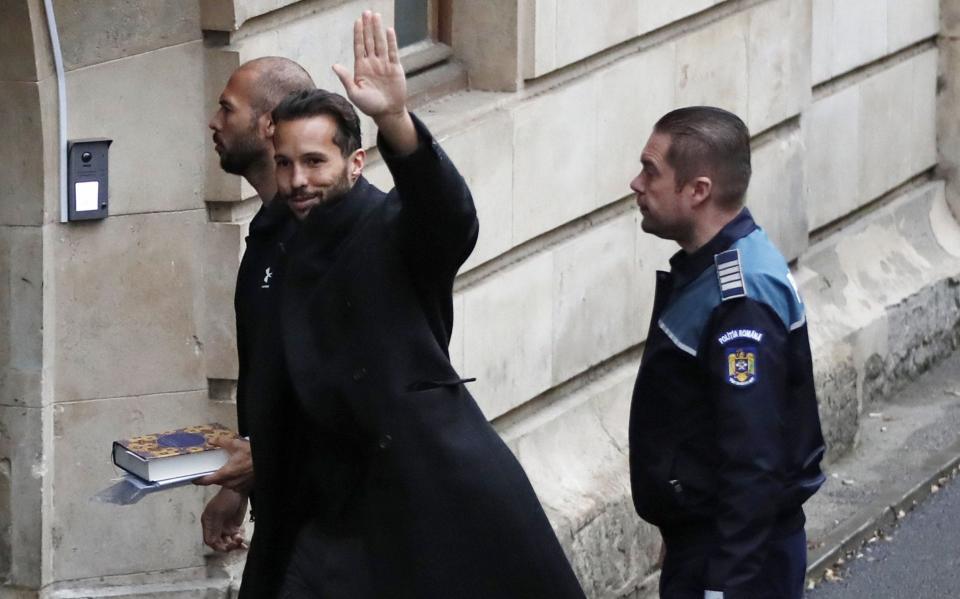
(908, 446)
(920, 558)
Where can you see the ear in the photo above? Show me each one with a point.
(701, 190)
(356, 162)
(266, 126)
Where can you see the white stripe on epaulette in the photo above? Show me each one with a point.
(729, 275)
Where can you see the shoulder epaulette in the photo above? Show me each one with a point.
(730, 275)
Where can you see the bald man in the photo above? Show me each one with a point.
(242, 127)
(242, 133)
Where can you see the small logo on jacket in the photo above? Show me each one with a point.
(267, 275)
(742, 366)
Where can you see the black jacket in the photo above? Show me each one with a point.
(265, 397)
(397, 453)
(725, 436)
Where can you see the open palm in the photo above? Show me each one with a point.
(378, 85)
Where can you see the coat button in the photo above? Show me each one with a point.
(385, 441)
(359, 374)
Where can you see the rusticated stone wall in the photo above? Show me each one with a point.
(126, 325)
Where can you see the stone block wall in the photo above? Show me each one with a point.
(26, 94)
(948, 106)
(126, 325)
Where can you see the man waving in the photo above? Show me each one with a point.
(399, 487)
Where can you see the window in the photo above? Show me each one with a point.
(423, 33)
(412, 21)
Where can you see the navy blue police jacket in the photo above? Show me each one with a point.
(390, 450)
(725, 438)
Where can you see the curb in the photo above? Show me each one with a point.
(880, 514)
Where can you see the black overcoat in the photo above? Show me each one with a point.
(401, 455)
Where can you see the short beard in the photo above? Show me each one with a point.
(671, 232)
(237, 161)
(331, 195)
(247, 150)
(341, 186)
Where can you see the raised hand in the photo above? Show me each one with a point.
(378, 86)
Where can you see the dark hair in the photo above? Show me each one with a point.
(318, 102)
(709, 141)
(277, 77)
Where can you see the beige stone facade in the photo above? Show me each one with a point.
(125, 325)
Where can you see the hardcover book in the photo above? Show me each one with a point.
(177, 454)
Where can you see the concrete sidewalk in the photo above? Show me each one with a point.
(905, 444)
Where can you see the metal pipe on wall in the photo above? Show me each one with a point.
(61, 104)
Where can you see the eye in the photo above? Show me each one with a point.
(281, 162)
(315, 161)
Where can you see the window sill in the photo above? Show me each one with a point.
(430, 72)
(423, 55)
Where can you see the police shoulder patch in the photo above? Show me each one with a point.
(730, 275)
(741, 365)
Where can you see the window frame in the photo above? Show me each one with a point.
(436, 48)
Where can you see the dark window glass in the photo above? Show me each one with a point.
(410, 20)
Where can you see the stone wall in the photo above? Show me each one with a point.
(26, 97)
(126, 325)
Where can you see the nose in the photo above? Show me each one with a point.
(214, 123)
(297, 177)
(637, 185)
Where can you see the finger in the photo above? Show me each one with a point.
(239, 450)
(379, 39)
(211, 535)
(368, 44)
(232, 447)
(392, 52)
(231, 544)
(358, 50)
(346, 78)
(214, 478)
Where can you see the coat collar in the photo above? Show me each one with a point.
(686, 267)
(328, 225)
(270, 219)
(336, 218)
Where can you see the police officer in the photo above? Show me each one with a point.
(725, 439)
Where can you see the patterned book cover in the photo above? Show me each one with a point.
(192, 439)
